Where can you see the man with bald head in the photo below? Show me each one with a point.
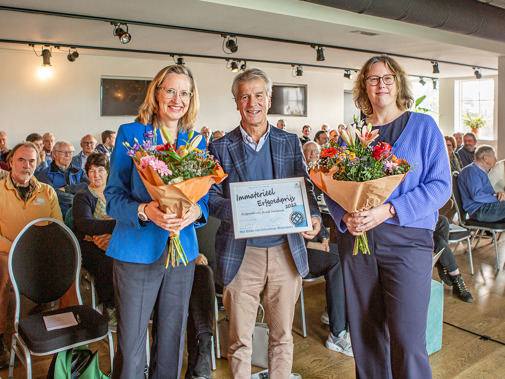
(48, 140)
(66, 179)
(88, 144)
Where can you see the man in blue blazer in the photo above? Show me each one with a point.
(273, 265)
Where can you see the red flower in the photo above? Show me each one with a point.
(330, 152)
(166, 147)
(381, 150)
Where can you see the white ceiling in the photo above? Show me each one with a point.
(285, 19)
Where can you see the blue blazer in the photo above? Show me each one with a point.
(133, 241)
(288, 162)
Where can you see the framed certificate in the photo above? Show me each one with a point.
(270, 207)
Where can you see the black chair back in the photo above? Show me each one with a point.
(206, 236)
(44, 261)
(457, 199)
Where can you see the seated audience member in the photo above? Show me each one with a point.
(93, 229)
(334, 134)
(497, 176)
(217, 134)
(447, 268)
(458, 136)
(66, 179)
(108, 142)
(467, 152)
(479, 198)
(207, 133)
(200, 321)
(88, 144)
(3, 174)
(282, 124)
(325, 128)
(48, 140)
(321, 137)
(38, 141)
(454, 159)
(23, 199)
(305, 134)
(324, 260)
(4, 150)
(311, 153)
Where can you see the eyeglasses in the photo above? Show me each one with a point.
(170, 93)
(386, 79)
(312, 151)
(88, 143)
(63, 152)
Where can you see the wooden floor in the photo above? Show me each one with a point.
(463, 354)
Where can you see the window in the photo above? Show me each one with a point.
(431, 101)
(475, 97)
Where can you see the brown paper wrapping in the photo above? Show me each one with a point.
(177, 198)
(356, 196)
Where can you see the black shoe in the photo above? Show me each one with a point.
(4, 354)
(459, 289)
(444, 275)
(202, 367)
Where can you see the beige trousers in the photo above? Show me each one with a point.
(270, 271)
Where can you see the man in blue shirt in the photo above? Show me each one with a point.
(479, 198)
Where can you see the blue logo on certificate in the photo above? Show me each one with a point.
(297, 217)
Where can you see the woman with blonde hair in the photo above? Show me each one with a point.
(387, 292)
(139, 243)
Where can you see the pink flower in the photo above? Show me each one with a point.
(159, 166)
(367, 135)
(144, 161)
(348, 134)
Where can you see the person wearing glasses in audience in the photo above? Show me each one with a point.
(88, 143)
(66, 179)
(387, 292)
(139, 243)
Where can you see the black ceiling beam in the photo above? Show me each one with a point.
(220, 32)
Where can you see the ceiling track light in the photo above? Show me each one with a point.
(72, 56)
(319, 53)
(122, 34)
(347, 74)
(180, 61)
(477, 73)
(243, 66)
(435, 82)
(46, 58)
(297, 70)
(436, 70)
(422, 81)
(230, 43)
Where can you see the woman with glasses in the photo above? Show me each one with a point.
(387, 292)
(139, 243)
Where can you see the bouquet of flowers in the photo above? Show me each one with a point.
(175, 177)
(358, 176)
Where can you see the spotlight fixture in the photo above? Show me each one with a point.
(230, 43)
(477, 73)
(46, 58)
(243, 66)
(422, 81)
(180, 61)
(123, 35)
(435, 84)
(436, 70)
(319, 53)
(297, 70)
(72, 56)
(347, 74)
(234, 66)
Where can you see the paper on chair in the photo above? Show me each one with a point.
(59, 321)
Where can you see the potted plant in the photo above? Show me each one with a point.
(474, 122)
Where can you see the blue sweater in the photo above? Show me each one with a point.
(426, 188)
(475, 188)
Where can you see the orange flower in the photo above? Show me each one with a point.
(330, 152)
(342, 168)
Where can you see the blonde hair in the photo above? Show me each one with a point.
(149, 109)
(404, 98)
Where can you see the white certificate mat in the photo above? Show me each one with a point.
(270, 207)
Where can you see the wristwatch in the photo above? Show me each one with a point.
(392, 209)
(141, 213)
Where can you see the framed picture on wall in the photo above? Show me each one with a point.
(122, 96)
(289, 100)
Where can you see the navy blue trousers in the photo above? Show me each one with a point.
(387, 295)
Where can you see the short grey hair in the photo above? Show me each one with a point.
(307, 144)
(59, 144)
(247, 76)
(87, 135)
(482, 151)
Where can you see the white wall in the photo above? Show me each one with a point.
(68, 104)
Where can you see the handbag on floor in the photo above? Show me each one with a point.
(78, 362)
(259, 355)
